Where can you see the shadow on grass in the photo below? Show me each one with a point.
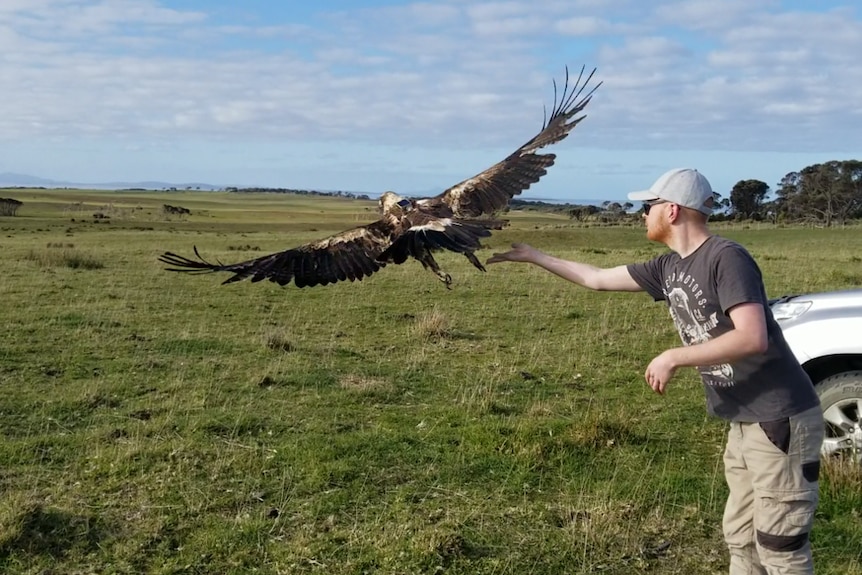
(51, 533)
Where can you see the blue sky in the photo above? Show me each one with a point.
(416, 96)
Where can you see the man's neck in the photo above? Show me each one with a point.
(686, 239)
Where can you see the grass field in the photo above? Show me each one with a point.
(162, 423)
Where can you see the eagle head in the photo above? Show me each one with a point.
(390, 202)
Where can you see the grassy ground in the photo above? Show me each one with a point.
(162, 423)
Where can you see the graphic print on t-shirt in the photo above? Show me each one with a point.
(693, 327)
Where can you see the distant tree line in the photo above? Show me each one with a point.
(579, 212)
(338, 194)
(824, 194)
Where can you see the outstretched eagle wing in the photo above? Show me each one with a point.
(491, 190)
(349, 255)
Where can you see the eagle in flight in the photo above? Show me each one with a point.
(454, 220)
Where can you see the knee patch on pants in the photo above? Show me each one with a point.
(782, 543)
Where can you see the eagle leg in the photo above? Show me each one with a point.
(428, 262)
(474, 260)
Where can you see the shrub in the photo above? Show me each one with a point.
(66, 258)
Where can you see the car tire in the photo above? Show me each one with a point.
(841, 400)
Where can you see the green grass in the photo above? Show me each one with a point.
(163, 423)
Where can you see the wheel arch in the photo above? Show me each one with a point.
(820, 368)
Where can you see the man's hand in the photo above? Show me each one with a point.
(660, 371)
(518, 253)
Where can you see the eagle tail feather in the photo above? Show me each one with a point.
(184, 264)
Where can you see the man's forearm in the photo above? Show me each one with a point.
(727, 348)
(576, 272)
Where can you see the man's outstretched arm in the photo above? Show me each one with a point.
(592, 277)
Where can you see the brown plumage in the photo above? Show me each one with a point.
(450, 221)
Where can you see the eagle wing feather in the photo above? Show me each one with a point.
(490, 190)
(349, 255)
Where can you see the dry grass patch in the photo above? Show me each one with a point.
(432, 324)
(277, 340)
(541, 409)
(843, 473)
(364, 383)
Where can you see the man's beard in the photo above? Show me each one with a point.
(659, 231)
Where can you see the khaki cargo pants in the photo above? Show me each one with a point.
(772, 470)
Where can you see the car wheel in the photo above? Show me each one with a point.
(841, 399)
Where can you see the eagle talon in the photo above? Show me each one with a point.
(445, 278)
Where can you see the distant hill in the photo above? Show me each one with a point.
(13, 180)
(8, 180)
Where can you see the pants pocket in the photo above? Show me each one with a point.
(778, 433)
(784, 521)
(787, 511)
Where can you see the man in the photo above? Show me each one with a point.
(715, 293)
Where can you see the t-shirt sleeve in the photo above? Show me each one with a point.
(648, 275)
(738, 279)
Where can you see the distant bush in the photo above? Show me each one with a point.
(177, 210)
(81, 261)
(9, 206)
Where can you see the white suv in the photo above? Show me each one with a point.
(824, 330)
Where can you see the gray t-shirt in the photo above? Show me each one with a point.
(700, 289)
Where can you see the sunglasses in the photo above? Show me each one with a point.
(648, 205)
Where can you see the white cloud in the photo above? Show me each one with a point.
(584, 26)
(708, 15)
(447, 74)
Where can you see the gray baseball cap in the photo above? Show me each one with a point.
(684, 186)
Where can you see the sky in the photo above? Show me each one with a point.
(372, 95)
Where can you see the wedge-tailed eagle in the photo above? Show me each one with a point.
(454, 220)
